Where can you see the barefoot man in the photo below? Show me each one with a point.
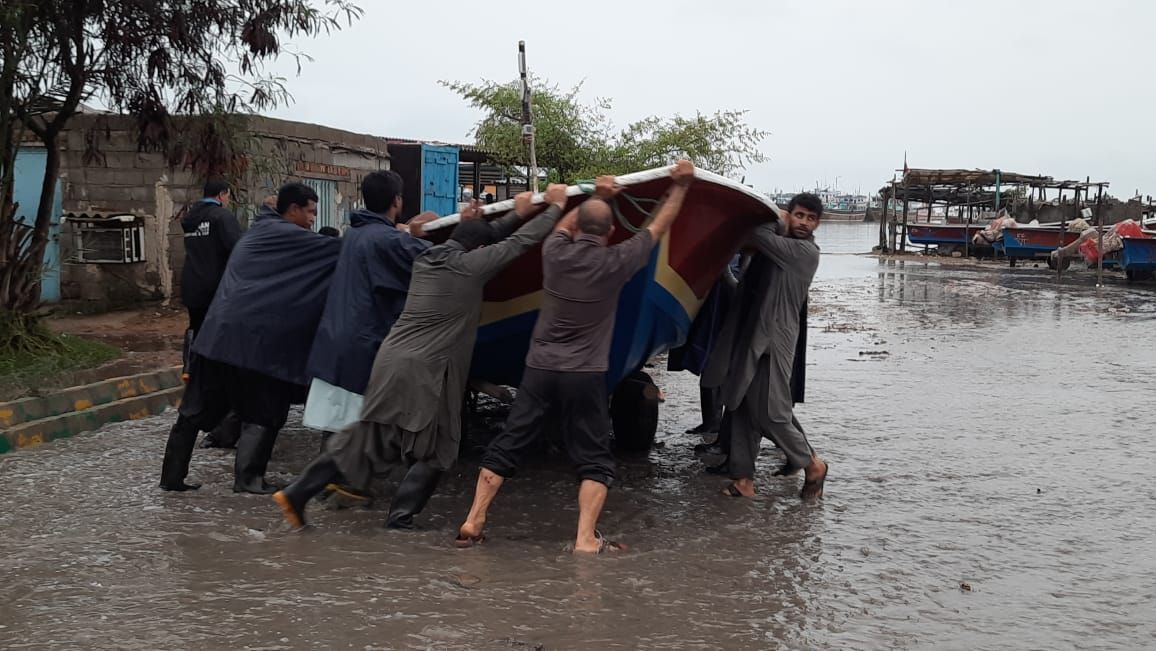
(754, 358)
(569, 355)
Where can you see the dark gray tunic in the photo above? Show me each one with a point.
(764, 321)
(413, 402)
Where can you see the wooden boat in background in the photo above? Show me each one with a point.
(1037, 242)
(1138, 256)
(942, 234)
(837, 215)
(656, 307)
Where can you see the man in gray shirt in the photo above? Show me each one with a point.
(752, 362)
(569, 355)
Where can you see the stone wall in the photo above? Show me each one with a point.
(102, 173)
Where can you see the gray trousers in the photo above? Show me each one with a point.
(365, 450)
(751, 422)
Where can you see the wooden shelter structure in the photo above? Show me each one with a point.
(971, 192)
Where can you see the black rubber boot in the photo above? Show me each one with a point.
(712, 409)
(178, 453)
(226, 434)
(312, 481)
(253, 452)
(186, 350)
(412, 495)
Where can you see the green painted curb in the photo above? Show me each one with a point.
(76, 399)
(38, 432)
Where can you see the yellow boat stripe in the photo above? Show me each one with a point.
(493, 311)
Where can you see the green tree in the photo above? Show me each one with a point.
(576, 140)
(152, 60)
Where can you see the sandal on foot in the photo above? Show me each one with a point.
(466, 542)
(348, 492)
(732, 491)
(607, 546)
(813, 490)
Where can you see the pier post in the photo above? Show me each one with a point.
(906, 204)
(1100, 234)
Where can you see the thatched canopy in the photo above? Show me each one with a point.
(960, 187)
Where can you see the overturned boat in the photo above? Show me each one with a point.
(656, 308)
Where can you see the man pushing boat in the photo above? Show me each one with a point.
(569, 357)
(754, 359)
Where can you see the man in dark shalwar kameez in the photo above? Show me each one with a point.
(251, 351)
(412, 410)
(754, 359)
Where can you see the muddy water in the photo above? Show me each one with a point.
(991, 488)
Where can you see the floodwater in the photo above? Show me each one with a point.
(991, 446)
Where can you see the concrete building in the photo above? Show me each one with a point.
(137, 254)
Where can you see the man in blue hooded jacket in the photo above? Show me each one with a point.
(366, 296)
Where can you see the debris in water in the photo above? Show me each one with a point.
(874, 353)
(965, 586)
(467, 580)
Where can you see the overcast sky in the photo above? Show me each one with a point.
(1062, 87)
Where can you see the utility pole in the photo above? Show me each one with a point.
(527, 119)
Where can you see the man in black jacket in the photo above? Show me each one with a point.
(211, 232)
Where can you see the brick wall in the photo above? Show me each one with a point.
(121, 180)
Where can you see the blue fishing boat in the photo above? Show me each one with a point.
(1034, 243)
(1138, 256)
(656, 307)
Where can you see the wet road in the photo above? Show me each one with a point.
(984, 427)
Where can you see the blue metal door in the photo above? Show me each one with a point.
(30, 165)
(326, 202)
(439, 176)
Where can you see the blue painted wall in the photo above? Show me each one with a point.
(30, 165)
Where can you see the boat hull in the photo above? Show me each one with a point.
(941, 234)
(1138, 254)
(657, 306)
(1025, 243)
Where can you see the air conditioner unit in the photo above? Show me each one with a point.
(107, 239)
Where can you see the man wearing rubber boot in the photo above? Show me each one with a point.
(412, 410)
(569, 356)
(228, 432)
(250, 354)
(210, 233)
(754, 359)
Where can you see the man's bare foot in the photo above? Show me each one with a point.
(470, 534)
(740, 488)
(816, 477)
